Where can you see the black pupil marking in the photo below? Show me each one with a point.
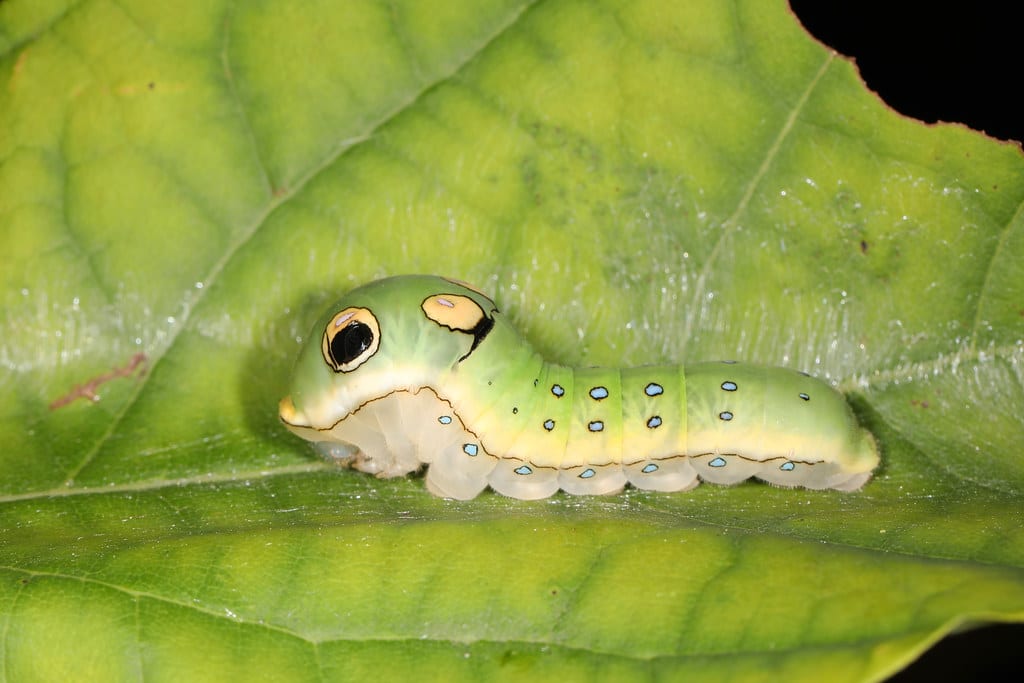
(805, 397)
(351, 342)
(479, 332)
(515, 410)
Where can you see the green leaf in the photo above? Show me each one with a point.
(636, 183)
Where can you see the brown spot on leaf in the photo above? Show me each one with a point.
(19, 65)
(89, 389)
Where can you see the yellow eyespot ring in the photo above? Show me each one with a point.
(350, 339)
(454, 311)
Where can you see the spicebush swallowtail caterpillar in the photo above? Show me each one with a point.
(420, 370)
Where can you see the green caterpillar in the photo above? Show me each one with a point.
(421, 370)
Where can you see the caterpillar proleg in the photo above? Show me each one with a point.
(416, 371)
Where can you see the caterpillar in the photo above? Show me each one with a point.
(421, 370)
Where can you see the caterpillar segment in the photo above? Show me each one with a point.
(417, 371)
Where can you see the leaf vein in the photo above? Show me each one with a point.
(728, 227)
(232, 88)
(986, 285)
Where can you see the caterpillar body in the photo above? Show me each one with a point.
(421, 370)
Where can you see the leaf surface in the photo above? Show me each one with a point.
(184, 188)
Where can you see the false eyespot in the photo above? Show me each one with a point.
(350, 339)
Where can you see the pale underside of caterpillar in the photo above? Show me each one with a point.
(421, 370)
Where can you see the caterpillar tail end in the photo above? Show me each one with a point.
(865, 460)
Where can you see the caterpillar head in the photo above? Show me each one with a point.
(396, 334)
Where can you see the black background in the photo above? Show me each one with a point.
(935, 62)
(929, 61)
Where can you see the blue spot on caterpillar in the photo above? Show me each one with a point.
(653, 389)
(418, 371)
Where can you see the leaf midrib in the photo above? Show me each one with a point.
(756, 526)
